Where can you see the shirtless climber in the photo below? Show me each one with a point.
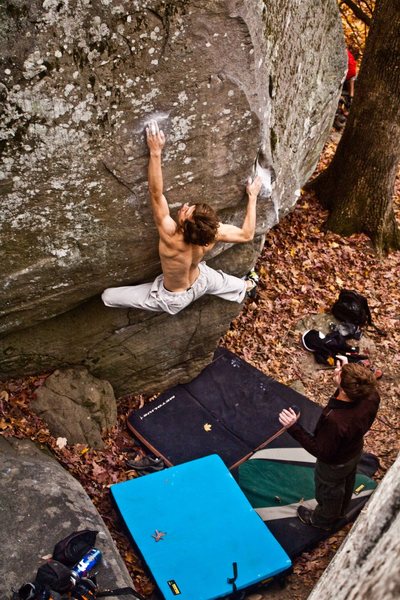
(182, 246)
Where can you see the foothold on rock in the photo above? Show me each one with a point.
(77, 406)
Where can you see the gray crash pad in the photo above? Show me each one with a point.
(41, 503)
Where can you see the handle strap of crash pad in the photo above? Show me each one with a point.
(119, 592)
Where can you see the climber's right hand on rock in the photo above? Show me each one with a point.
(253, 187)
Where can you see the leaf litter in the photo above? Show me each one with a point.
(302, 269)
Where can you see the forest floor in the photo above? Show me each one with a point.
(302, 269)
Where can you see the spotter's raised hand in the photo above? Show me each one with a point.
(288, 417)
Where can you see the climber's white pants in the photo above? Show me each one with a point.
(154, 296)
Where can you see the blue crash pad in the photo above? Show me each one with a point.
(191, 522)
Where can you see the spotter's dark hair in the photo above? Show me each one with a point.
(357, 381)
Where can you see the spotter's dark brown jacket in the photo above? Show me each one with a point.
(339, 433)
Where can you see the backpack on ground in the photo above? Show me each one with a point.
(352, 307)
(54, 576)
(71, 549)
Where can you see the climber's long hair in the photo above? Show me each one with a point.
(201, 229)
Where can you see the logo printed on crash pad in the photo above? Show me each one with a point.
(173, 587)
(207, 426)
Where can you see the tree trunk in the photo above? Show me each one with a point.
(358, 185)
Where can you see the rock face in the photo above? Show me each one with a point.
(366, 566)
(40, 504)
(77, 406)
(79, 81)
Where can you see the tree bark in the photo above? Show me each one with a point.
(357, 187)
(357, 11)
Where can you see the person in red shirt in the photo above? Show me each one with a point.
(346, 97)
(337, 441)
(351, 73)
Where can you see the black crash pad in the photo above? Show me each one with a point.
(230, 409)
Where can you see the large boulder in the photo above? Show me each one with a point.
(79, 81)
(40, 504)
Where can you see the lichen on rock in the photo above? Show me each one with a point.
(79, 82)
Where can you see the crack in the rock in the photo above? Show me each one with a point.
(119, 179)
(194, 330)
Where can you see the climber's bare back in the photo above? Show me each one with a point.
(179, 261)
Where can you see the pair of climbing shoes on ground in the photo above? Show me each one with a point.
(145, 465)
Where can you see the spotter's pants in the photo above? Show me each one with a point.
(334, 485)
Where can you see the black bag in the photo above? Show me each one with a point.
(71, 549)
(55, 576)
(352, 307)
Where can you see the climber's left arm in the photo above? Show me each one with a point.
(155, 142)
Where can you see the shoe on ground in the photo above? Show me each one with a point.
(305, 516)
(339, 122)
(147, 463)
